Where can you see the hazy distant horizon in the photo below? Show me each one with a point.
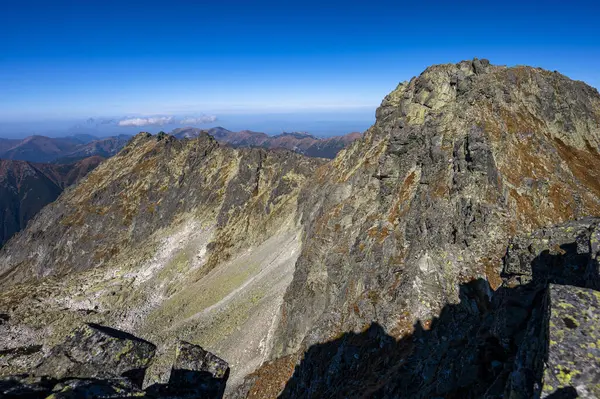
(318, 123)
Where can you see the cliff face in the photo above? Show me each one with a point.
(26, 187)
(460, 159)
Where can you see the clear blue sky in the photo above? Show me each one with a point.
(101, 58)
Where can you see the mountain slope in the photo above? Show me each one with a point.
(26, 187)
(302, 143)
(172, 239)
(60, 149)
(40, 149)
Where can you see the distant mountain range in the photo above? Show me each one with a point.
(299, 142)
(27, 187)
(60, 149)
(79, 146)
(35, 170)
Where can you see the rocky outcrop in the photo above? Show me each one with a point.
(97, 361)
(461, 158)
(573, 360)
(94, 351)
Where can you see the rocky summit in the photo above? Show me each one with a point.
(452, 251)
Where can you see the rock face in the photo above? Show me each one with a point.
(573, 354)
(96, 361)
(460, 159)
(26, 187)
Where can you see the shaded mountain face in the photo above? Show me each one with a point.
(302, 143)
(26, 187)
(270, 257)
(60, 149)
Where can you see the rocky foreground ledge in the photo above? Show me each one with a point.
(96, 361)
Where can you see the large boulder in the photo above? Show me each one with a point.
(195, 373)
(94, 351)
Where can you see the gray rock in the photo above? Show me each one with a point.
(93, 351)
(198, 370)
(574, 333)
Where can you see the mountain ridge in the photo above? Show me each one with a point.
(264, 257)
(69, 149)
(300, 142)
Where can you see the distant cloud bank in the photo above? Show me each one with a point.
(166, 120)
(154, 121)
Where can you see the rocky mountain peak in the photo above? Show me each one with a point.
(393, 267)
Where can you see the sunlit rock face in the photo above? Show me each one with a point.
(460, 159)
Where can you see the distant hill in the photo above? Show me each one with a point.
(299, 142)
(27, 187)
(60, 149)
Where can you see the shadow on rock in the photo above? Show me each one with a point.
(492, 344)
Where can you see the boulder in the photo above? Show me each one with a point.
(197, 368)
(94, 351)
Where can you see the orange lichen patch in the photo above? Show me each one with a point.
(77, 217)
(402, 203)
(562, 200)
(523, 161)
(380, 234)
(426, 324)
(583, 164)
(527, 212)
(492, 274)
(341, 249)
(271, 377)
(404, 326)
(441, 189)
(104, 254)
(520, 121)
(557, 250)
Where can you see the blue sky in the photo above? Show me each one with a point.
(71, 60)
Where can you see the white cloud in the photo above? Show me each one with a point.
(153, 121)
(198, 121)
